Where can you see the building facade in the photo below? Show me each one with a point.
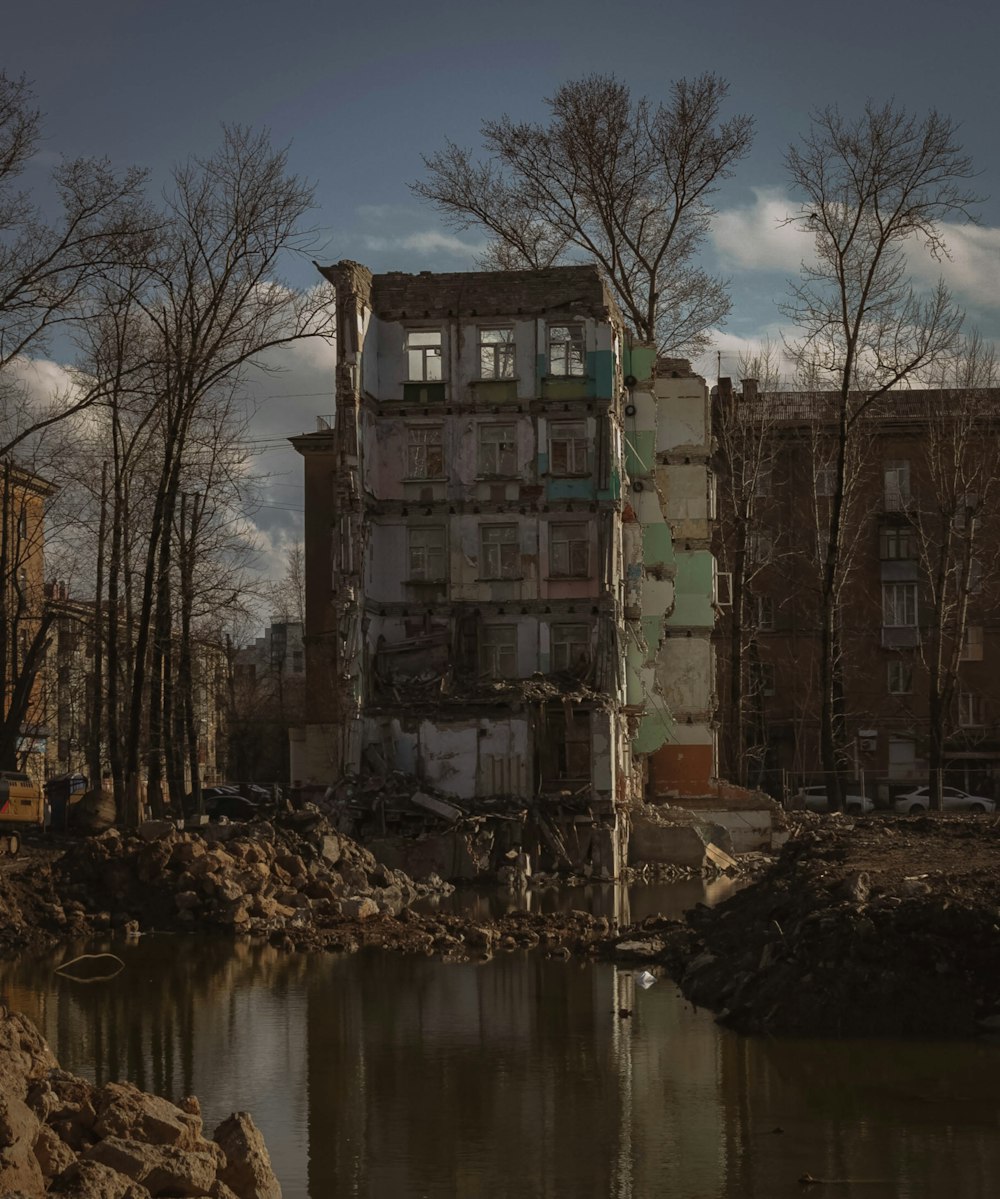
(918, 642)
(509, 582)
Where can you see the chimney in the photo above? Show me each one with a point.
(726, 389)
(749, 389)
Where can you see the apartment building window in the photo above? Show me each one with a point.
(500, 555)
(568, 448)
(426, 553)
(569, 551)
(971, 710)
(298, 661)
(760, 546)
(424, 452)
(972, 646)
(966, 507)
(764, 612)
(498, 651)
(900, 678)
(496, 353)
(763, 481)
(762, 675)
(896, 543)
(899, 605)
(826, 479)
(566, 356)
(497, 450)
(570, 646)
(975, 577)
(423, 355)
(896, 479)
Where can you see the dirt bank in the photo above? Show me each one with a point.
(879, 927)
(63, 1135)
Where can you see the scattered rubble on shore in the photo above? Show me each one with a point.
(63, 1135)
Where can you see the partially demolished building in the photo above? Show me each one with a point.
(509, 586)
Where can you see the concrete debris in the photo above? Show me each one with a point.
(64, 1135)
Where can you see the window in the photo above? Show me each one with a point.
(298, 661)
(424, 452)
(764, 612)
(970, 710)
(899, 605)
(826, 479)
(500, 556)
(966, 508)
(22, 525)
(423, 355)
(497, 450)
(760, 546)
(496, 353)
(896, 543)
(426, 553)
(724, 588)
(762, 677)
(972, 646)
(763, 481)
(975, 581)
(570, 646)
(897, 486)
(498, 651)
(569, 551)
(566, 357)
(568, 448)
(900, 678)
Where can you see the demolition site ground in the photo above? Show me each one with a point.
(875, 926)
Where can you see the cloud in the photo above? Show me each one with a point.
(426, 241)
(754, 237)
(971, 268)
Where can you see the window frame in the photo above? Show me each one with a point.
(896, 537)
(424, 354)
(890, 607)
(499, 559)
(504, 359)
(414, 444)
(576, 446)
(563, 347)
(903, 685)
(482, 444)
(896, 492)
(497, 641)
(971, 713)
(415, 532)
(563, 643)
(558, 537)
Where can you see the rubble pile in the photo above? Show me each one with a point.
(63, 1135)
(878, 927)
(292, 879)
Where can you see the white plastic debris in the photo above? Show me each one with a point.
(645, 979)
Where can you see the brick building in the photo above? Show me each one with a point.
(509, 583)
(923, 541)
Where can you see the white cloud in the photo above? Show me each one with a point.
(426, 241)
(755, 236)
(972, 268)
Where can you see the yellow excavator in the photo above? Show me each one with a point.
(22, 806)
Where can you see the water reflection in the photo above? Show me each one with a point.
(380, 1075)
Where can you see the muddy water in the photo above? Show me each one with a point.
(391, 1077)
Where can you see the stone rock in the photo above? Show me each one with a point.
(187, 901)
(126, 1112)
(155, 830)
(93, 1180)
(52, 1152)
(329, 849)
(644, 950)
(24, 1055)
(248, 1171)
(358, 907)
(162, 1169)
(19, 1168)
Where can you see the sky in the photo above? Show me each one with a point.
(358, 92)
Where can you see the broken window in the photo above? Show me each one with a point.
(496, 353)
(569, 551)
(897, 486)
(564, 748)
(570, 646)
(500, 556)
(899, 605)
(897, 543)
(900, 678)
(568, 448)
(566, 356)
(497, 450)
(423, 355)
(424, 452)
(498, 651)
(426, 553)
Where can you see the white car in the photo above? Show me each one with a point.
(952, 800)
(813, 799)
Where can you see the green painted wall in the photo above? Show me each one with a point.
(693, 583)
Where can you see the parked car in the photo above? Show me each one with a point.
(813, 799)
(953, 799)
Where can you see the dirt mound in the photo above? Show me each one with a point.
(879, 927)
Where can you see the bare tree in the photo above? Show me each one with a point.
(47, 268)
(624, 182)
(873, 189)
